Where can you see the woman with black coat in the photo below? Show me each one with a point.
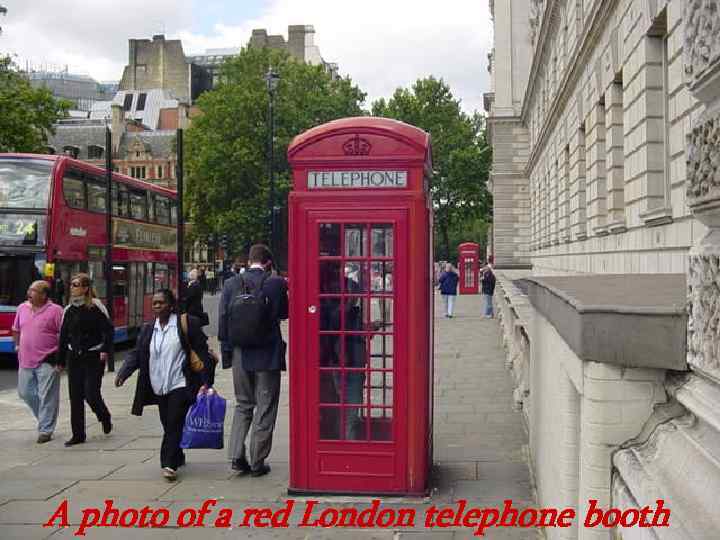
(85, 338)
(165, 377)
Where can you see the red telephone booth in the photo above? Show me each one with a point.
(469, 266)
(360, 263)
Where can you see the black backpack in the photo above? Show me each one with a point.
(250, 321)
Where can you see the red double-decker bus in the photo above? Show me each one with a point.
(52, 225)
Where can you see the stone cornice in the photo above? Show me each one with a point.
(581, 53)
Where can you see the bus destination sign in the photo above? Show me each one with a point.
(133, 235)
(357, 179)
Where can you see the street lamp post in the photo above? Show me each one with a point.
(271, 79)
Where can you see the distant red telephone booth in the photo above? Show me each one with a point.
(360, 264)
(469, 266)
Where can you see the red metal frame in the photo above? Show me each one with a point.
(62, 245)
(336, 464)
(469, 267)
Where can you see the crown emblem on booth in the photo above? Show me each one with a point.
(357, 146)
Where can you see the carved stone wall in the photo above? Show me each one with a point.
(703, 339)
(702, 36)
(703, 157)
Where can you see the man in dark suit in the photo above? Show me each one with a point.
(256, 371)
(194, 298)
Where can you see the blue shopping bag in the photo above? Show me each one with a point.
(204, 422)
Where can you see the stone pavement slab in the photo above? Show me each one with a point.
(479, 454)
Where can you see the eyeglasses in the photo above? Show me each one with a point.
(76, 284)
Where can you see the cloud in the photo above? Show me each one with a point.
(380, 44)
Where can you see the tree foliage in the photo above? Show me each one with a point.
(27, 114)
(461, 155)
(226, 147)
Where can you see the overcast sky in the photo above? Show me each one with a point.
(380, 44)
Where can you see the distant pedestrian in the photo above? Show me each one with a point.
(488, 289)
(194, 299)
(256, 368)
(448, 282)
(36, 332)
(85, 339)
(166, 376)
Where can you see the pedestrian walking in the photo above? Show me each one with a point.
(194, 298)
(36, 332)
(167, 375)
(448, 283)
(256, 368)
(85, 339)
(488, 289)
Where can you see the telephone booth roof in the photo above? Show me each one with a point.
(468, 245)
(362, 140)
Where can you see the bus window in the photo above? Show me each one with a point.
(149, 278)
(162, 210)
(162, 276)
(74, 189)
(151, 207)
(97, 274)
(138, 205)
(173, 213)
(96, 196)
(120, 284)
(24, 183)
(121, 200)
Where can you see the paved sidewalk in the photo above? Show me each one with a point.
(479, 456)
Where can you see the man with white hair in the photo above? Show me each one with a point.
(193, 298)
(36, 332)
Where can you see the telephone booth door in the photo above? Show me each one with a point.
(469, 267)
(356, 296)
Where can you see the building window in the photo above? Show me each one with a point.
(95, 151)
(141, 102)
(137, 172)
(96, 196)
(138, 205)
(127, 105)
(72, 151)
(160, 172)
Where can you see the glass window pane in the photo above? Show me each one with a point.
(381, 424)
(381, 389)
(381, 314)
(381, 351)
(96, 197)
(74, 191)
(151, 207)
(381, 276)
(148, 278)
(162, 210)
(355, 423)
(355, 241)
(329, 386)
(329, 277)
(329, 419)
(355, 309)
(329, 351)
(330, 314)
(355, 351)
(329, 239)
(97, 274)
(356, 277)
(382, 240)
(138, 205)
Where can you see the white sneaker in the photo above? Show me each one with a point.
(169, 474)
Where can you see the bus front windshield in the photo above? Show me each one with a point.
(24, 183)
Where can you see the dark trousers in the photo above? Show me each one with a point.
(173, 409)
(84, 380)
(256, 395)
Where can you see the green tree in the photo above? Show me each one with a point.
(226, 146)
(461, 155)
(27, 114)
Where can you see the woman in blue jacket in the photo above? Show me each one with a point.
(448, 281)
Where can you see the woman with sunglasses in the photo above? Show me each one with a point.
(85, 339)
(166, 377)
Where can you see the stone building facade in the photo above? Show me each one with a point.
(608, 135)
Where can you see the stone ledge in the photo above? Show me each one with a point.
(632, 320)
